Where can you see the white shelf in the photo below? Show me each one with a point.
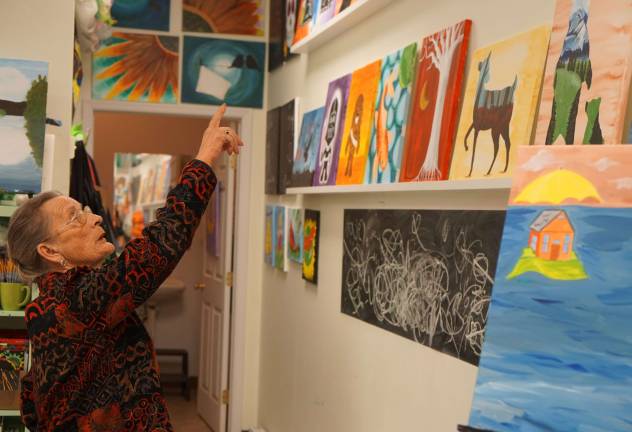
(9, 413)
(437, 186)
(342, 22)
(7, 211)
(12, 314)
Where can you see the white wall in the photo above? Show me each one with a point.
(43, 30)
(325, 371)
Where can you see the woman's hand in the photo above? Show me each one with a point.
(218, 139)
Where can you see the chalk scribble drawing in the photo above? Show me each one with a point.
(426, 275)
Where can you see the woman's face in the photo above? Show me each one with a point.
(75, 236)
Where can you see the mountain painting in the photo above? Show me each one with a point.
(23, 91)
(557, 349)
(584, 96)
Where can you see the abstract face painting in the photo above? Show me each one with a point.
(331, 135)
(356, 136)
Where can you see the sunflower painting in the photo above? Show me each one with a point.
(137, 67)
(238, 17)
(216, 71)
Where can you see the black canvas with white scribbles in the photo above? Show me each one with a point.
(426, 275)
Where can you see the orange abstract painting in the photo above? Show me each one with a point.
(238, 17)
(587, 77)
(356, 136)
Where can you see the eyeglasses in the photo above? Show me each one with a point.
(78, 219)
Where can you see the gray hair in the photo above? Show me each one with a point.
(29, 226)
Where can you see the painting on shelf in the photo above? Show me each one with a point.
(280, 238)
(287, 147)
(341, 5)
(311, 234)
(142, 14)
(231, 17)
(326, 11)
(557, 343)
(273, 142)
(136, 68)
(499, 105)
(23, 93)
(356, 136)
(283, 15)
(390, 117)
(306, 19)
(306, 154)
(436, 100)
(216, 71)
(589, 63)
(331, 133)
(269, 236)
(295, 235)
(426, 275)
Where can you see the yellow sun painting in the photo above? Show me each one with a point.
(241, 17)
(137, 67)
(557, 187)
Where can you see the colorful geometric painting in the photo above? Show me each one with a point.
(435, 104)
(331, 133)
(237, 17)
(426, 275)
(307, 151)
(142, 14)
(269, 236)
(307, 13)
(311, 234)
(326, 11)
(358, 124)
(280, 238)
(391, 114)
(137, 68)
(295, 233)
(584, 96)
(23, 91)
(216, 71)
(499, 105)
(557, 350)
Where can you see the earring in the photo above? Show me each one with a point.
(63, 262)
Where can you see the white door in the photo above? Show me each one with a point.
(212, 392)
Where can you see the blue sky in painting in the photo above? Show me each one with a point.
(557, 354)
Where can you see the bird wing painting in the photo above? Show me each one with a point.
(217, 71)
(499, 105)
(435, 104)
(557, 349)
(584, 96)
(137, 68)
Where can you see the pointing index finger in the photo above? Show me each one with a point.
(217, 117)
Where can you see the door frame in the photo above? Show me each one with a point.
(237, 342)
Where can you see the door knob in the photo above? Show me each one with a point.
(200, 286)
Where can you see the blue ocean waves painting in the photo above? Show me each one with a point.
(557, 354)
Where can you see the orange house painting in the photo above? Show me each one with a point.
(552, 236)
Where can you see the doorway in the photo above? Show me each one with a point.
(172, 136)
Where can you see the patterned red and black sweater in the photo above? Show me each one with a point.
(93, 364)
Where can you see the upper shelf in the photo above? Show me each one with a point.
(351, 16)
(7, 211)
(448, 185)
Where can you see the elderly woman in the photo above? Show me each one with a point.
(93, 363)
